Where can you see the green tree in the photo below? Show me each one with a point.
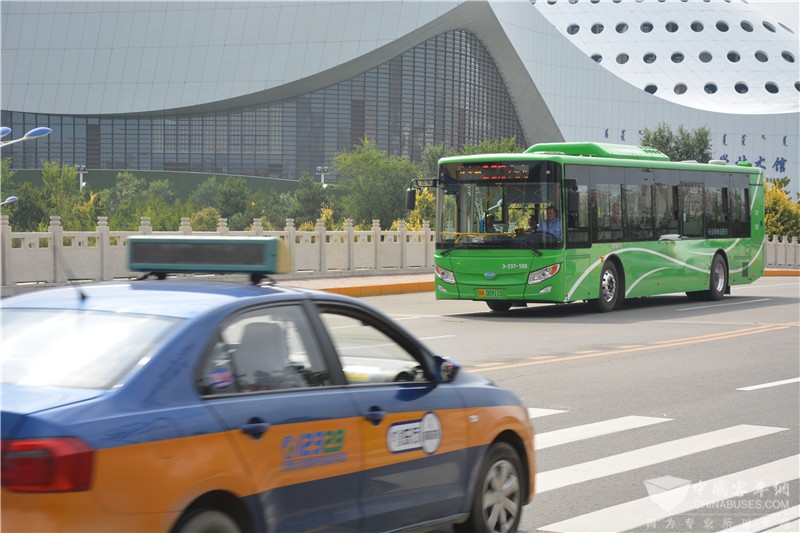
(684, 145)
(125, 202)
(30, 212)
(504, 145)
(425, 210)
(431, 156)
(231, 197)
(781, 214)
(205, 219)
(162, 189)
(309, 198)
(278, 208)
(204, 194)
(373, 183)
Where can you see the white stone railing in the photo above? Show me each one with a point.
(783, 254)
(57, 256)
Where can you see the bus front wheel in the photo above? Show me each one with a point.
(498, 306)
(610, 286)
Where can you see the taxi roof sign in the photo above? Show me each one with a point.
(208, 255)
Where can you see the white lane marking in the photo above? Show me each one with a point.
(597, 429)
(771, 384)
(437, 337)
(647, 510)
(659, 453)
(723, 305)
(771, 520)
(538, 413)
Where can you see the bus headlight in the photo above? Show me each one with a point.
(444, 275)
(543, 274)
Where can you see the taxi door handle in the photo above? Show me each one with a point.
(375, 415)
(255, 428)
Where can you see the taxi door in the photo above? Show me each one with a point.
(267, 382)
(413, 430)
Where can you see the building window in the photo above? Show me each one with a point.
(677, 57)
(697, 26)
(622, 59)
(597, 28)
(769, 26)
(771, 87)
(680, 88)
(572, 29)
(705, 57)
(762, 56)
(622, 27)
(746, 26)
(646, 27)
(741, 87)
(650, 88)
(649, 58)
(710, 88)
(722, 26)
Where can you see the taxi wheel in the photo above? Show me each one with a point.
(497, 502)
(207, 521)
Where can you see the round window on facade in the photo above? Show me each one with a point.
(762, 56)
(677, 57)
(646, 27)
(672, 27)
(733, 56)
(597, 28)
(551, 2)
(616, 1)
(649, 58)
(572, 29)
(797, 85)
(769, 26)
(622, 58)
(785, 27)
(710, 88)
(722, 25)
(746, 26)
(597, 58)
(651, 88)
(697, 26)
(622, 27)
(680, 88)
(705, 57)
(741, 87)
(771, 87)
(573, 1)
(787, 56)
(595, 1)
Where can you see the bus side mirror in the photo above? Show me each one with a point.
(411, 199)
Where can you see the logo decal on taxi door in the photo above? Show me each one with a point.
(424, 434)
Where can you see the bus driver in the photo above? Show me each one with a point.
(552, 224)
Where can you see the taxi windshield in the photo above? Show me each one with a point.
(71, 348)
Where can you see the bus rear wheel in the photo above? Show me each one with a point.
(610, 287)
(716, 285)
(498, 306)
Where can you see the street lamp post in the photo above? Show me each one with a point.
(321, 171)
(9, 200)
(81, 171)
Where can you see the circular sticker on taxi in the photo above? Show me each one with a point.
(424, 434)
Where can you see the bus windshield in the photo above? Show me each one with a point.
(501, 204)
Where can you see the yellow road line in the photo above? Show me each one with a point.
(643, 348)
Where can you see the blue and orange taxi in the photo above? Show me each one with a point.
(193, 405)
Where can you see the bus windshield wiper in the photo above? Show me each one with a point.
(455, 247)
(532, 248)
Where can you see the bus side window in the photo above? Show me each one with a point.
(578, 220)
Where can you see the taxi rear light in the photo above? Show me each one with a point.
(46, 465)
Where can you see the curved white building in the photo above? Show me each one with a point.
(278, 88)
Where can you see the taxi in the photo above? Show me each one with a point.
(182, 404)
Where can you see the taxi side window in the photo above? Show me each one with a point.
(367, 354)
(265, 350)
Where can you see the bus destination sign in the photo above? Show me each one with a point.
(493, 171)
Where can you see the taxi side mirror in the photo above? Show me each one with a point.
(446, 370)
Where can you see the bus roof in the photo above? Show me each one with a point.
(588, 153)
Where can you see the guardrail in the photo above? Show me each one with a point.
(57, 256)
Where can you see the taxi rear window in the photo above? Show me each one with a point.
(71, 348)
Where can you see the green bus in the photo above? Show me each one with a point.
(566, 222)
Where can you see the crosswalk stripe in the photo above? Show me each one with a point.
(771, 384)
(588, 431)
(638, 513)
(623, 462)
(775, 519)
(538, 413)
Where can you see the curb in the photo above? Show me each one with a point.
(381, 290)
(782, 272)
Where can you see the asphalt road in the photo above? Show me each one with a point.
(641, 420)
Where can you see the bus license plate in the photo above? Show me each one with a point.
(490, 293)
